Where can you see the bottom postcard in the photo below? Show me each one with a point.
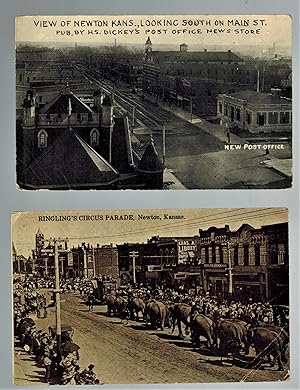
(150, 296)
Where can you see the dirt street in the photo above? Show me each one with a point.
(132, 354)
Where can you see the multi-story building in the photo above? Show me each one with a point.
(255, 257)
(193, 80)
(43, 256)
(247, 263)
(89, 261)
(67, 144)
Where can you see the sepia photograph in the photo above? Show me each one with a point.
(154, 102)
(150, 296)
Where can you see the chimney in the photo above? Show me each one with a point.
(275, 91)
(98, 245)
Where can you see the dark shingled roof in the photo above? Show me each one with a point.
(69, 162)
(121, 146)
(255, 97)
(150, 162)
(60, 104)
(198, 56)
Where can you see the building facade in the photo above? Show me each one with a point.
(256, 112)
(255, 258)
(67, 144)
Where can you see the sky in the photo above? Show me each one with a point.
(113, 227)
(166, 29)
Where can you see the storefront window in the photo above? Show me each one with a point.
(284, 117)
(273, 118)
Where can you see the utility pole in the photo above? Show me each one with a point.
(133, 255)
(191, 103)
(85, 267)
(57, 290)
(94, 265)
(229, 269)
(164, 144)
(57, 296)
(133, 117)
(257, 84)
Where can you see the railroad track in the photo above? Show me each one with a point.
(146, 117)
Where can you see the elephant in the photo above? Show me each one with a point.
(136, 305)
(266, 343)
(180, 313)
(232, 335)
(111, 305)
(157, 313)
(121, 306)
(202, 326)
(283, 336)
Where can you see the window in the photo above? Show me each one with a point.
(42, 139)
(236, 255)
(257, 254)
(221, 254)
(261, 119)
(226, 110)
(53, 118)
(246, 254)
(274, 253)
(20, 78)
(273, 118)
(238, 114)
(284, 117)
(84, 117)
(94, 137)
(248, 117)
(213, 254)
(206, 255)
(220, 108)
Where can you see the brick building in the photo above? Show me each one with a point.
(193, 80)
(256, 256)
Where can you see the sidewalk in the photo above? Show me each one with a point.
(171, 181)
(277, 161)
(25, 369)
(217, 131)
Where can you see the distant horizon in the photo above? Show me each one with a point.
(253, 50)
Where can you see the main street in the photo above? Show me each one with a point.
(195, 152)
(133, 354)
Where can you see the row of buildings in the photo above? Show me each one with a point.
(222, 86)
(254, 261)
(197, 81)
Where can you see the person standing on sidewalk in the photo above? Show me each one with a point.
(227, 131)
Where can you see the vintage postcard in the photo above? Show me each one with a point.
(151, 296)
(154, 102)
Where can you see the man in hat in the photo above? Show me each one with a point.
(87, 376)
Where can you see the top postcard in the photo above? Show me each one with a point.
(154, 102)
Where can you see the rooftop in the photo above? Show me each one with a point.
(69, 162)
(255, 97)
(202, 56)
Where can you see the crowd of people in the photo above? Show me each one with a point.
(59, 357)
(207, 304)
(62, 363)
